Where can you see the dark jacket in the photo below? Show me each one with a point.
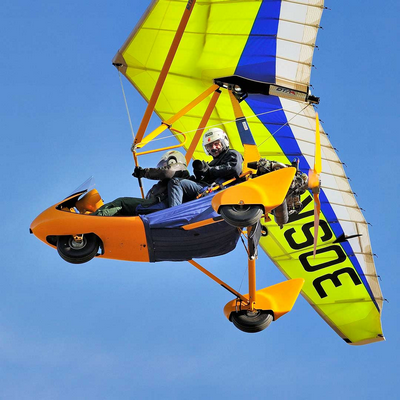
(226, 166)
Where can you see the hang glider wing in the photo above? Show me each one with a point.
(269, 42)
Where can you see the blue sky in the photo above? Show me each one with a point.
(118, 330)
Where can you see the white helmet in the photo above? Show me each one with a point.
(214, 134)
(171, 157)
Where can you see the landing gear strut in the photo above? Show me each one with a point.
(254, 312)
(248, 318)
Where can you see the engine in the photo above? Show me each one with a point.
(292, 203)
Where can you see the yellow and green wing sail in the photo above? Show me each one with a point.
(271, 42)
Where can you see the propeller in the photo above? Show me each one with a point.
(314, 182)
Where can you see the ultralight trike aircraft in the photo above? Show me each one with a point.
(206, 64)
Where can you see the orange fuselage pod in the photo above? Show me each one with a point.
(279, 299)
(123, 238)
(267, 190)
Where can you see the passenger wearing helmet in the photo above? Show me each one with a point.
(226, 164)
(171, 165)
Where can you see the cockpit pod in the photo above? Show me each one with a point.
(165, 235)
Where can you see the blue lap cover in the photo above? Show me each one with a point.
(168, 241)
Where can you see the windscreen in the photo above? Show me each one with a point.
(86, 186)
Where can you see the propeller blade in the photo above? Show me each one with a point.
(317, 210)
(313, 174)
(317, 158)
(313, 179)
(314, 182)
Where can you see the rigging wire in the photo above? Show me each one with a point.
(133, 134)
(126, 105)
(217, 125)
(286, 123)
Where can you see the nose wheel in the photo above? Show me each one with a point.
(78, 249)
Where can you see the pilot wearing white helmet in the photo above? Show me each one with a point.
(226, 164)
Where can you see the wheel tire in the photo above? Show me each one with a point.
(75, 252)
(241, 215)
(251, 322)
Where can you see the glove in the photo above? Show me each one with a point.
(139, 172)
(200, 166)
(200, 169)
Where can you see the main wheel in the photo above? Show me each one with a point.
(241, 215)
(251, 321)
(78, 252)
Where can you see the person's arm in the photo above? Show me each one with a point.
(168, 172)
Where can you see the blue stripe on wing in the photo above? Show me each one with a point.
(258, 60)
